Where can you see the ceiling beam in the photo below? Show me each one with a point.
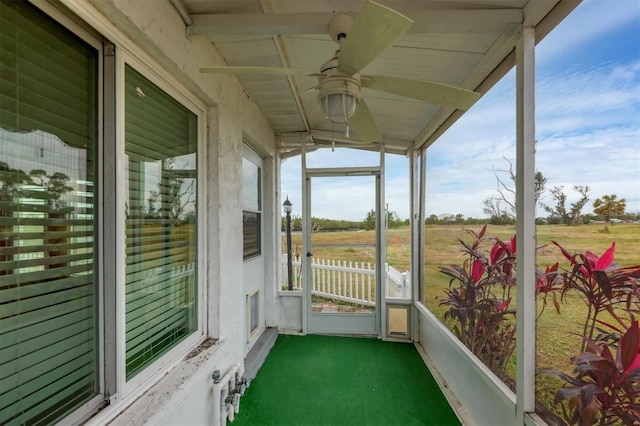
(425, 21)
(292, 142)
(332, 136)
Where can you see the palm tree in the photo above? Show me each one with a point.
(609, 206)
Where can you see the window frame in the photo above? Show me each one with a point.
(255, 159)
(114, 50)
(59, 15)
(152, 71)
(251, 296)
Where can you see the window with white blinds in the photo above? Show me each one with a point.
(161, 222)
(48, 239)
(252, 209)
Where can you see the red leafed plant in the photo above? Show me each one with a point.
(478, 299)
(548, 283)
(605, 389)
(601, 285)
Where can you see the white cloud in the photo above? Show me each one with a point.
(588, 133)
(398, 196)
(603, 96)
(590, 21)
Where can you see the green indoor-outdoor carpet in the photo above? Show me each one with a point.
(330, 380)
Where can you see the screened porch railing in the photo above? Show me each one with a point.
(352, 282)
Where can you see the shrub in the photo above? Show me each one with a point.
(478, 300)
(604, 387)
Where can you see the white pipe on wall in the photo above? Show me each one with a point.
(230, 412)
(220, 407)
(224, 409)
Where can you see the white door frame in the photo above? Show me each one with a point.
(254, 269)
(351, 323)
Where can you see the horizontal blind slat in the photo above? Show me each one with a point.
(166, 297)
(29, 372)
(23, 292)
(14, 336)
(37, 221)
(168, 320)
(45, 275)
(72, 380)
(151, 284)
(34, 245)
(36, 309)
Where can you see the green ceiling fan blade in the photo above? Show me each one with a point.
(374, 30)
(427, 91)
(365, 124)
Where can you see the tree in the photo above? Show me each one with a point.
(576, 208)
(11, 188)
(506, 194)
(369, 221)
(11, 182)
(432, 219)
(393, 221)
(152, 211)
(447, 218)
(558, 213)
(56, 187)
(175, 201)
(493, 208)
(296, 222)
(609, 206)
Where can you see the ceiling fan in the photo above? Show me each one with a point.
(362, 39)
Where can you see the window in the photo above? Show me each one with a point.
(61, 334)
(49, 360)
(161, 222)
(251, 214)
(253, 310)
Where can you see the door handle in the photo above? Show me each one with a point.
(309, 254)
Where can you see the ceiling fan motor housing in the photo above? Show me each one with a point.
(339, 27)
(339, 92)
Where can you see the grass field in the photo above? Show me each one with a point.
(556, 338)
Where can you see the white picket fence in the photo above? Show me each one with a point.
(352, 282)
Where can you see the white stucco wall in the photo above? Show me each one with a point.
(184, 395)
(154, 32)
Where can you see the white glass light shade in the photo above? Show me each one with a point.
(339, 107)
(339, 95)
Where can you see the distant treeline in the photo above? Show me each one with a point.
(319, 224)
(322, 224)
(450, 219)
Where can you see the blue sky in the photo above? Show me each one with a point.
(587, 128)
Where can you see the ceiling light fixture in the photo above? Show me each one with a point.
(339, 93)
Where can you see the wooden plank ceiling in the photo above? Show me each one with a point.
(465, 43)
